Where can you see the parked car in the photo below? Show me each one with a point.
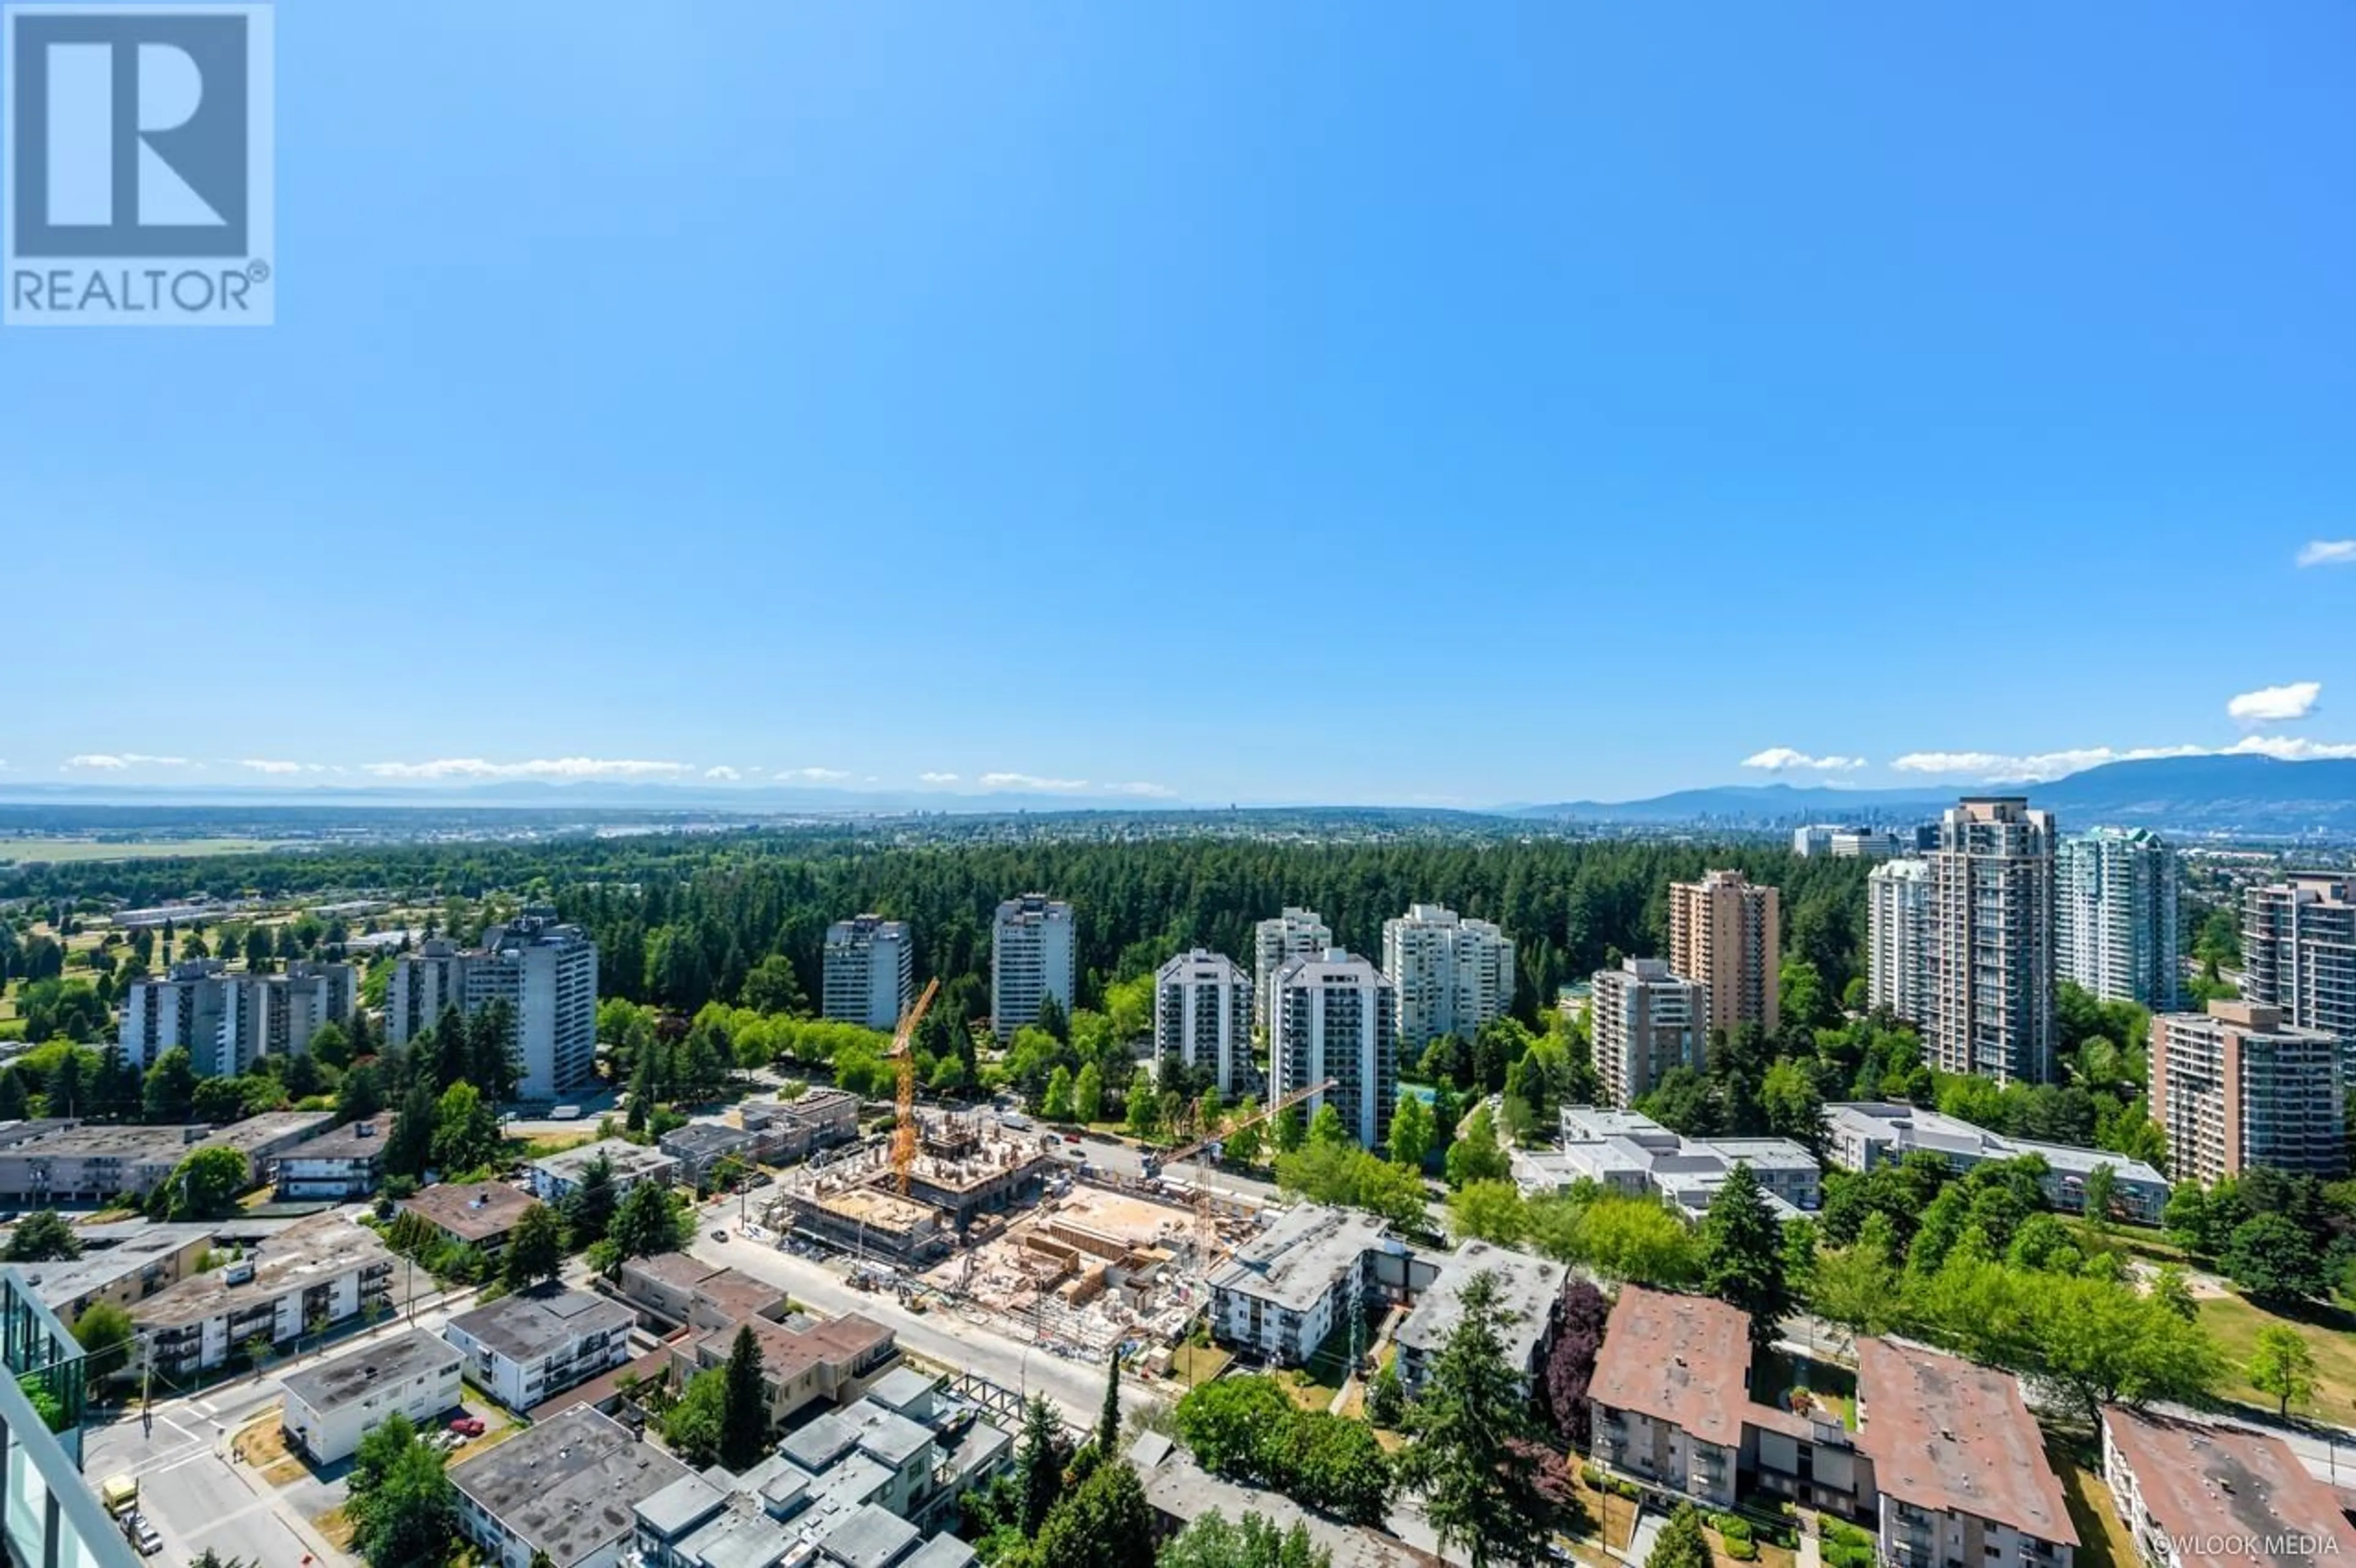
(467, 1426)
(142, 1534)
(719, 1235)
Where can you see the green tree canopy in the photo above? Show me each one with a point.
(42, 1236)
(1474, 1457)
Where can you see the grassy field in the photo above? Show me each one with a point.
(1193, 1364)
(2102, 1541)
(2331, 1337)
(65, 851)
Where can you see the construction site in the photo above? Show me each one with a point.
(961, 1209)
(966, 1172)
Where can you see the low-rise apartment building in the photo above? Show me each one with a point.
(566, 1487)
(1668, 1391)
(2193, 1493)
(1862, 1135)
(344, 1163)
(330, 1407)
(522, 1349)
(1944, 1460)
(795, 1129)
(1629, 1152)
(1528, 1290)
(858, 1488)
(267, 1138)
(312, 1276)
(124, 1268)
(700, 1147)
(477, 1214)
(559, 1174)
(1959, 1467)
(66, 1164)
(1290, 1286)
(804, 1361)
(673, 1289)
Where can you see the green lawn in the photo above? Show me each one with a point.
(2331, 1335)
(2102, 1541)
(63, 851)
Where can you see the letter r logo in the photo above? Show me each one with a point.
(129, 133)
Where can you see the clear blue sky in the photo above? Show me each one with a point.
(1296, 402)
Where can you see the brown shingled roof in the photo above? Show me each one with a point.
(786, 1353)
(2204, 1481)
(1953, 1437)
(1680, 1359)
(473, 1210)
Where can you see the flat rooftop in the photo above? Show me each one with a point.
(1297, 1260)
(2220, 1481)
(330, 1385)
(1684, 1360)
(1179, 1488)
(567, 1485)
(630, 1160)
(356, 1140)
(474, 1211)
(271, 1128)
(869, 1536)
(85, 1140)
(1953, 1437)
(306, 1253)
(1913, 1126)
(707, 1137)
(1528, 1289)
(61, 1281)
(526, 1327)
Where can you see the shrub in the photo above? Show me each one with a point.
(1734, 1527)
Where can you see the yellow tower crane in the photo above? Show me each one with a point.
(904, 1059)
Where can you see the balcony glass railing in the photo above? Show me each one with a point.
(47, 1515)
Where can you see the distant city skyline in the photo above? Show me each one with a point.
(1551, 404)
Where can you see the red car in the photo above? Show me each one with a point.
(467, 1427)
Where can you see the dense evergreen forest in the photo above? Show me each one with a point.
(682, 920)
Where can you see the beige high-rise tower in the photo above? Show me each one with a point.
(1725, 933)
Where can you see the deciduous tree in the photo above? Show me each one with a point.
(2282, 1365)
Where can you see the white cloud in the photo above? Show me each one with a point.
(1995, 767)
(2036, 768)
(114, 761)
(2328, 552)
(938, 778)
(723, 773)
(2275, 704)
(1151, 790)
(2292, 747)
(1031, 781)
(269, 765)
(1784, 759)
(815, 776)
(542, 768)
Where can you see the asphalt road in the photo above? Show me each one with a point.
(197, 1497)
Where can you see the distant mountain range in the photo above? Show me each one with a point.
(2245, 794)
